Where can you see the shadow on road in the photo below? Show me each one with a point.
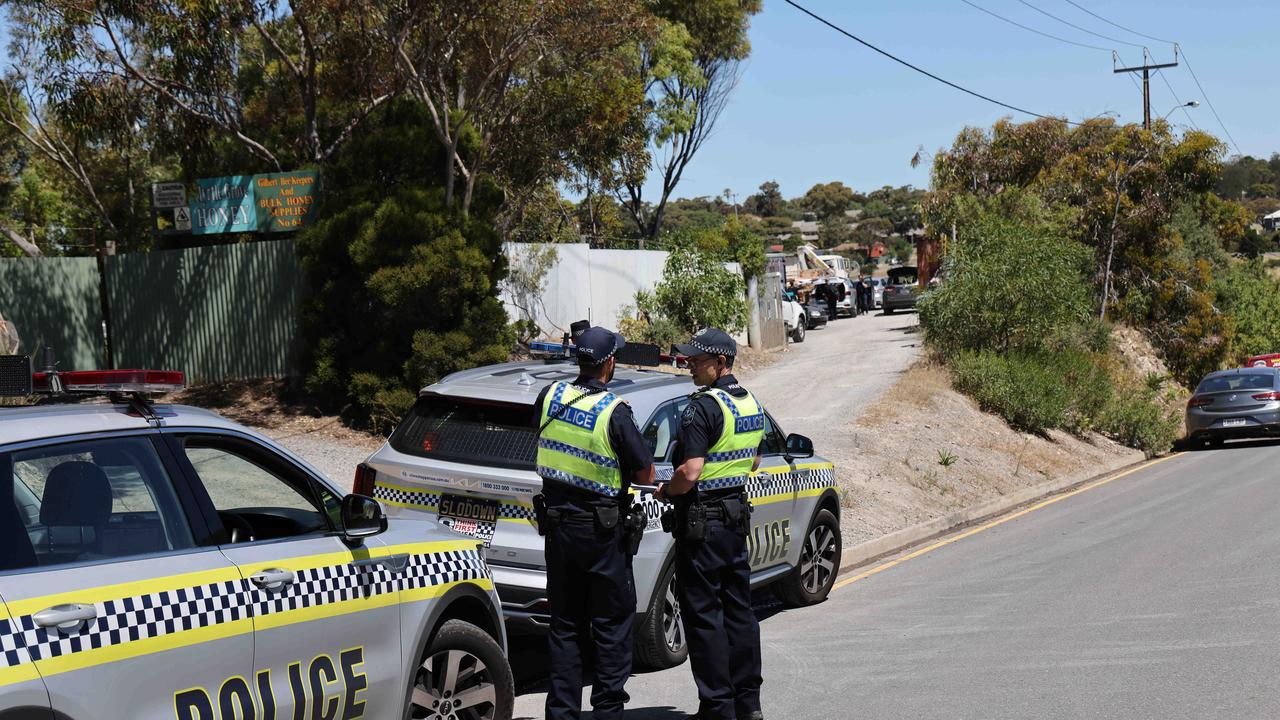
(528, 656)
(634, 713)
(1234, 445)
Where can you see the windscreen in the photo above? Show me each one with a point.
(1244, 381)
(470, 431)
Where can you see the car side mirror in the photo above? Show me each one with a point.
(799, 446)
(362, 517)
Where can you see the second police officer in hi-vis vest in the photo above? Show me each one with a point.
(720, 433)
(589, 454)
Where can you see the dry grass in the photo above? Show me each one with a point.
(927, 450)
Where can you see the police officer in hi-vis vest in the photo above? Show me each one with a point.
(720, 434)
(589, 454)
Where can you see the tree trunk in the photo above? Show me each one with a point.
(27, 246)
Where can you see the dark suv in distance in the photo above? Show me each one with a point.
(1233, 404)
(901, 289)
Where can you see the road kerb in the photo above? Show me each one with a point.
(869, 552)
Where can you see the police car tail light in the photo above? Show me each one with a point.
(364, 480)
(1267, 396)
(112, 381)
(1199, 401)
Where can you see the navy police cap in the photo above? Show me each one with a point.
(709, 341)
(597, 344)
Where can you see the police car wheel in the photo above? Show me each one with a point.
(661, 642)
(811, 581)
(463, 676)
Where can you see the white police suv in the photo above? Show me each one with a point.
(465, 457)
(159, 561)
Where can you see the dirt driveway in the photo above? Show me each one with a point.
(820, 387)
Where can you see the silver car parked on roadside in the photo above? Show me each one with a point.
(465, 458)
(1232, 404)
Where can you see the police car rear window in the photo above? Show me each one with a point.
(470, 431)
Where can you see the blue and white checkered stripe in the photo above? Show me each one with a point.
(741, 423)
(745, 454)
(567, 449)
(579, 482)
(724, 482)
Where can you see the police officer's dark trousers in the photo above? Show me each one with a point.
(593, 605)
(724, 637)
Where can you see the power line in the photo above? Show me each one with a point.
(1081, 29)
(1177, 48)
(1132, 79)
(926, 73)
(1174, 93)
(1205, 95)
(1117, 25)
(1031, 29)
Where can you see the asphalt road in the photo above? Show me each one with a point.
(1154, 595)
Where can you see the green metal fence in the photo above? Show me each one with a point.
(54, 302)
(219, 312)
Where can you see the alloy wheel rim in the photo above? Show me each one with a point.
(454, 685)
(672, 628)
(817, 564)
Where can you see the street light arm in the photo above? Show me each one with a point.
(1192, 104)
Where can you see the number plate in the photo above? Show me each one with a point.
(1234, 422)
(473, 517)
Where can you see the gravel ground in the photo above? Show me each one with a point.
(815, 388)
(821, 386)
(337, 459)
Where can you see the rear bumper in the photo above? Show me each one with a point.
(894, 302)
(1257, 425)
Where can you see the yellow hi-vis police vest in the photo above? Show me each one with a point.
(574, 445)
(730, 460)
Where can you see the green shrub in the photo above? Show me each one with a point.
(1138, 420)
(1013, 285)
(1036, 392)
(697, 291)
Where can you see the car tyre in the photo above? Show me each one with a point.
(815, 574)
(661, 642)
(464, 673)
(797, 335)
(888, 310)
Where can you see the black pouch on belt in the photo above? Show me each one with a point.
(606, 516)
(695, 523)
(633, 529)
(738, 512)
(540, 515)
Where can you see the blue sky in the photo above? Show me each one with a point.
(814, 106)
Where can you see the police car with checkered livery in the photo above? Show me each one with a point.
(160, 561)
(465, 456)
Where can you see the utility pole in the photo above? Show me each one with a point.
(1145, 69)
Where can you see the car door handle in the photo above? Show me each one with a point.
(273, 578)
(66, 618)
(394, 563)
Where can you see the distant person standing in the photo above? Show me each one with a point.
(867, 291)
(859, 298)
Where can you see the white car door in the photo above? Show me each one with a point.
(326, 614)
(109, 594)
